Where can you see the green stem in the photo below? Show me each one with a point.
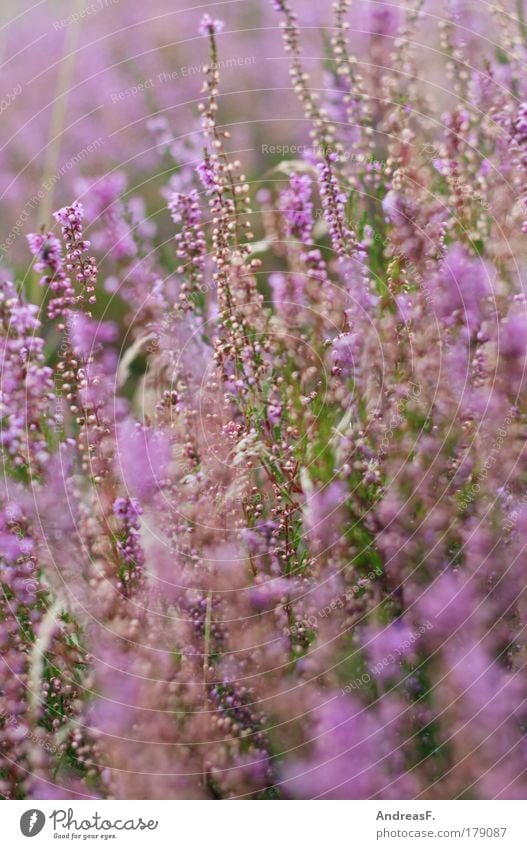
(521, 19)
(58, 117)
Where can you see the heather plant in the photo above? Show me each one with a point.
(263, 517)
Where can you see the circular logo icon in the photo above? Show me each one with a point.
(32, 822)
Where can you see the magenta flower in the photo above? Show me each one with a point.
(47, 250)
(297, 208)
(208, 26)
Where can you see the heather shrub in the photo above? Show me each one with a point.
(263, 517)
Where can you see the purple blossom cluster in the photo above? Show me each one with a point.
(82, 267)
(47, 250)
(26, 395)
(208, 26)
(297, 208)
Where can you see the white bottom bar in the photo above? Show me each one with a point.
(302, 824)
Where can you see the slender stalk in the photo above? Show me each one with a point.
(58, 117)
(60, 105)
(520, 11)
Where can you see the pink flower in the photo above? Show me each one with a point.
(208, 26)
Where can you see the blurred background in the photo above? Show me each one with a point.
(90, 87)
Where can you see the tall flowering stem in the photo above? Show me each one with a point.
(26, 388)
(185, 209)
